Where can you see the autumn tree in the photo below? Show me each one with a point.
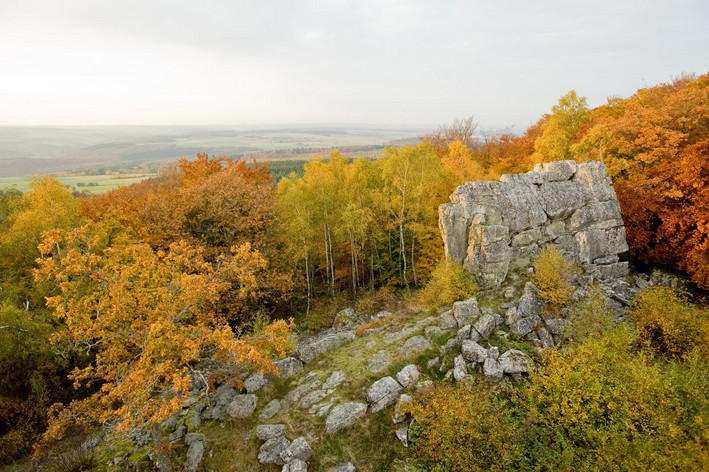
(147, 318)
(560, 128)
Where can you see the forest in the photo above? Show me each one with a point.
(111, 302)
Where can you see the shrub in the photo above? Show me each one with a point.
(449, 282)
(668, 324)
(465, 427)
(554, 277)
(589, 317)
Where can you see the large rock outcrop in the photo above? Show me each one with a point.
(495, 227)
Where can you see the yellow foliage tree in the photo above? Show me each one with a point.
(146, 318)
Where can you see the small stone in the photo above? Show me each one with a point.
(270, 431)
(546, 338)
(403, 435)
(459, 368)
(408, 376)
(195, 452)
(399, 415)
(463, 333)
(433, 362)
(312, 398)
(298, 449)
(346, 467)
(451, 344)
(242, 406)
(296, 466)
(344, 415)
(492, 369)
(271, 409)
(335, 379)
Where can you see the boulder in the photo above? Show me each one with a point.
(415, 345)
(223, 396)
(382, 393)
(399, 415)
(242, 406)
(378, 362)
(312, 347)
(270, 431)
(195, 451)
(485, 325)
(492, 370)
(460, 368)
(473, 352)
(403, 435)
(447, 321)
(288, 367)
(408, 376)
(299, 449)
(343, 416)
(515, 361)
(270, 452)
(273, 407)
(466, 312)
(296, 465)
(348, 317)
(255, 382)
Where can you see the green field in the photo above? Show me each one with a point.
(88, 183)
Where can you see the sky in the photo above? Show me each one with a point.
(398, 63)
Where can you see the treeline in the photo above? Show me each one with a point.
(125, 294)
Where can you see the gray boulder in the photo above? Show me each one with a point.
(382, 393)
(466, 312)
(343, 416)
(273, 407)
(296, 466)
(459, 368)
(299, 449)
(408, 376)
(195, 451)
(255, 382)
(447, 321)
(399, 415)
(270, 431)
(403, 435)
(485, 325)
(312, 347)
(515, 361)
(221, 399)
(242, 406)
(288, 367)
(270, 452)
(473, 352)
(415, 345)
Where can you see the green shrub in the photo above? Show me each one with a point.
(465, 427)
(555, 277)
(591, 316)
(449, 283)
(668, 324)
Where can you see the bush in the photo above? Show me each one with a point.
(449, 282)
(589, 317)
(554, 277)
(465, 427)
(668, 324)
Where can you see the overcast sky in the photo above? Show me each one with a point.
(406, 62)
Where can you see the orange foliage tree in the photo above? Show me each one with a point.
(146, 318)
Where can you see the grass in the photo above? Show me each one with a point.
(93, 184)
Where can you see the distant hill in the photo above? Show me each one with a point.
(34, 150)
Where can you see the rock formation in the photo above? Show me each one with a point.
(495, 227)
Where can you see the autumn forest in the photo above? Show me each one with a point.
(112, 304)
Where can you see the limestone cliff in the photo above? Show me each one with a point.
(497, 226)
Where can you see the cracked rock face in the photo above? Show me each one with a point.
(494, 227)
